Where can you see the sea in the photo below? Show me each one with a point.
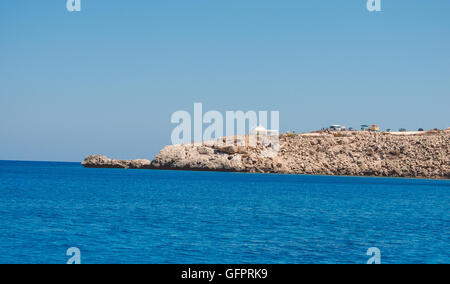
(153, 216)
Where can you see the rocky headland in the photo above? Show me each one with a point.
(414, 155)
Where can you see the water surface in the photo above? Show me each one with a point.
(145, 216)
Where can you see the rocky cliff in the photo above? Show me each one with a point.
(425, 155)
(97, 161)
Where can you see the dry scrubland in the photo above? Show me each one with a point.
(421, 155)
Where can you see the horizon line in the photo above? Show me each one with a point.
(39, 161)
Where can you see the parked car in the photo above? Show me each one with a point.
(402, 130)
(421, 129)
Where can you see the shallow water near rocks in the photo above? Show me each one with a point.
(150, 216)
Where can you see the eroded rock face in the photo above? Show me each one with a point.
(356, 154)
(370, 154)
(179, 157)
(97, 161)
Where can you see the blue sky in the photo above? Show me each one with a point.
(106, 80)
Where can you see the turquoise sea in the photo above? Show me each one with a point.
(146, 216)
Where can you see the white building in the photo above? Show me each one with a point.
(260, 130)
(337, 128)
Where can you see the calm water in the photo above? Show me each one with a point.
(133, 216)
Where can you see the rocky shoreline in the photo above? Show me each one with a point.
(425, 155)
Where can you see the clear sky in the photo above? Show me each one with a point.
(106, 80)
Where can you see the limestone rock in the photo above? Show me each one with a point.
(97, 161)
(424, 155)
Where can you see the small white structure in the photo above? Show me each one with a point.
(266, 138)
(260, 130)
(337, 128)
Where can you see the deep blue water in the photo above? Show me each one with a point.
(144, 216)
